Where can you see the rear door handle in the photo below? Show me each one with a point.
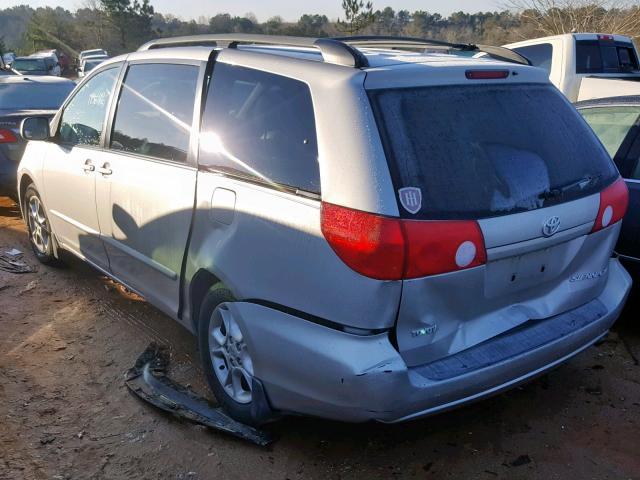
(88, 166)
(105, 169)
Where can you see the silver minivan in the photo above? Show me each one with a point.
(353, 231)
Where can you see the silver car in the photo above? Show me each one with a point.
(352, 231)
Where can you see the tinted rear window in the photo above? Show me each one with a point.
(594, 56)
(32, 95)
(483, 151)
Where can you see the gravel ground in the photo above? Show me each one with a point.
(68, 335)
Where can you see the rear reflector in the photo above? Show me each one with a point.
(7, 136)
(614, 201)
(388, 248)
(486, 74)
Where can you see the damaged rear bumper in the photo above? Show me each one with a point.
(314, 370)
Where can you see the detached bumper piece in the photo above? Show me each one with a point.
(148, 380)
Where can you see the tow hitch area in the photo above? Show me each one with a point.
(148, 380)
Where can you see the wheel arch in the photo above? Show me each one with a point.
(25, 181)
(203, 281)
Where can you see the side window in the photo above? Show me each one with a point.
(260, 125)
(539, 55)
(83, 118)
(611, 124)
(155, 110)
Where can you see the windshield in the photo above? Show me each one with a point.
(29, 64)
(483, 151)
(31, 95)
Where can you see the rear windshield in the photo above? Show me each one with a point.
(35, 96)
(483, 151)
(29, 65)
(593, 56)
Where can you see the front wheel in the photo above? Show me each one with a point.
(38, 226)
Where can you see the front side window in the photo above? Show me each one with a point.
(155, 111)
(611, 124)
(83, 118)
(260, 126)
(539, 55)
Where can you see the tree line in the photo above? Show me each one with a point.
(123, 25)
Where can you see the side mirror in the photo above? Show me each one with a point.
(35, 128)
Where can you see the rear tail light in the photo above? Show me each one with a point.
(613, 205)
(486, 74)
(442, 246)
(388, 248)
(7, 136)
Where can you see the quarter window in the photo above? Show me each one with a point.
(155, 111)
(260, 126)
(539, 55)
(83, 118)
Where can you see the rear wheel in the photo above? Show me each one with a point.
(40, 236)
(226, 357)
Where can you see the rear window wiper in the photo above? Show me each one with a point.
(559, 191)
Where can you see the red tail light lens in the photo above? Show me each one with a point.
(370, 244)
(7, 136)
(614, 201)
(392, 249)
(442, 246)
(486, 74)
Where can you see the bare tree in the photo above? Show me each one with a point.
(552, 17)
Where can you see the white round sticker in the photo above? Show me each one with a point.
(465, 254)
(607, 215)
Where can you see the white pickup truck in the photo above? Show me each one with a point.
(586, 65)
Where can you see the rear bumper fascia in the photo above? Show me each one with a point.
(314, 370)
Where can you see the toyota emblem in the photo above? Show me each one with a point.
(551, 226)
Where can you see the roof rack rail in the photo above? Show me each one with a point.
(382, 41)
(336, 50)
(333, 51)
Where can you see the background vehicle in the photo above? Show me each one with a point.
(616, 121)
(21, 97)
(89, 63)
(51, 59)
(586, 65)
(34, 66)
(390, 286)
(88, 53)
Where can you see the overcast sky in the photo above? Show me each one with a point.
(287, 9)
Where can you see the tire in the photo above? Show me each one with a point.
(39, 228)
(242, 408)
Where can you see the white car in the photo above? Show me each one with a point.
(89, 53)
(586, 65)
(89, 63)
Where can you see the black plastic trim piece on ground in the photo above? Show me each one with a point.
(148, 380)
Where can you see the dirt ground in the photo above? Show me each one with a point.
(68, 335)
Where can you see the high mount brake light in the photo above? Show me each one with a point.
(388, 248)
(608, 38)
(486, 74)
(614, 201)
(7, 136)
